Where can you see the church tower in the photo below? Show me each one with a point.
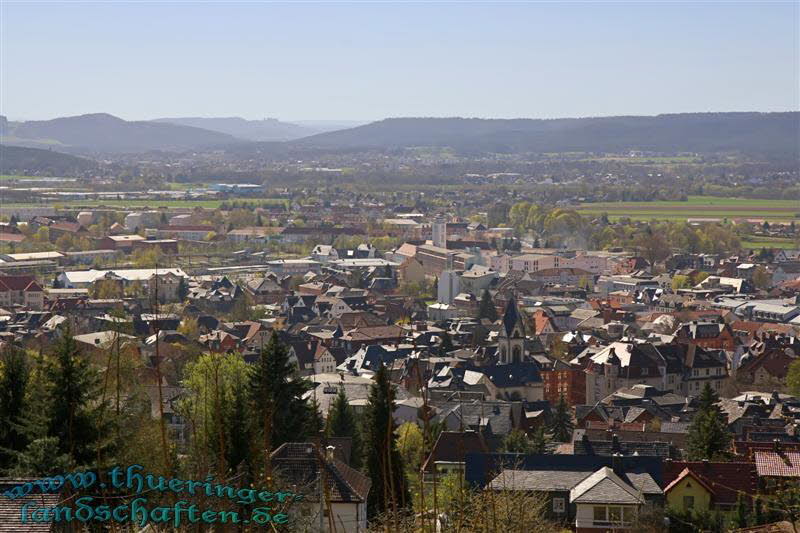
(511, 340)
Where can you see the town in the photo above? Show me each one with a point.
(399, 266)
(656, 375)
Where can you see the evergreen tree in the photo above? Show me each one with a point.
(183, 289)
(75, 409)
(389, 492)
(42, 457)
(14, 376)
(561, 425)
(517, 442)
(277, 396)
(741, 513)
(486, 308)
(342, 422)
(315, 423)
(240, 452)
(540, 440)
(446, 345)
(708, 436)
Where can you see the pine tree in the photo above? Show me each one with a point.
(183, 289)
(76, 411)
(240, 452)
(277, 396)
(540, 440)
(389, 492)
(342, 422)
(708, 436)
(486, 308)
(446, 345)
(741, 513)
(14, 376)
(315, 423)
(561, 425)
(517, 442)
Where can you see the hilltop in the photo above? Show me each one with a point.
(101, 132)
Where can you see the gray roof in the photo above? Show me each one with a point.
(537, 480)
(604, 486)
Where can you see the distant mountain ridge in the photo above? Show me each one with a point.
(268, 129)
(768, 134)
(691, 132)
(102, 132)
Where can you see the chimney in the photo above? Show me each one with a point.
(329, 452)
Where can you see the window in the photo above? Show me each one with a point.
(599, 513)
(688, 502)
(558, 505)
(627, 514)
(612, 515)
(645, 371)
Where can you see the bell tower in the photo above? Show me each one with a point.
(511, 340)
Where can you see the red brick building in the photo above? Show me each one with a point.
(563, 379)
(713, 335)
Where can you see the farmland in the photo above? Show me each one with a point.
(208, 204)
(699, 207)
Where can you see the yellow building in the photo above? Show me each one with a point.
(688, 492)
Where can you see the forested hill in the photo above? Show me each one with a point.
(101, 132)
(34, 161)
(754, 133)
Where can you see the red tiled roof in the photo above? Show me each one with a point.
(19, 283)
(726, 480)
(11, 237)
(777, 464)
(746, 448)
(686, 472)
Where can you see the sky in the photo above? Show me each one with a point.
(372, 60)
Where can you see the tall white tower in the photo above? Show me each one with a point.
(439, 230)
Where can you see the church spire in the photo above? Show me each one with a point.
(512, 320)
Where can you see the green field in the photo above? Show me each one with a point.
(9, 177)
(209, 204)
(698, 207)
(769, 242)
(661, 160)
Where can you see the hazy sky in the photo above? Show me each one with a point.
(366, 61)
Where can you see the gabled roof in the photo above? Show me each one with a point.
(723, 479)
(604, 486)
(298, 463)
(683, 475)
(10, 509)
(453, 446)
(778, 464)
